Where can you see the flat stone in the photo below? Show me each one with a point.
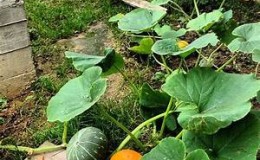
(93, 42)
(9, 15)
(57, 155)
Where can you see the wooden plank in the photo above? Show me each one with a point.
(16, 63)
(13, 37)
(144, 4)
(11, 15)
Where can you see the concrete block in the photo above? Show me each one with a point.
(9, 15)
(14, 86)
(13, 37)
(16, 63)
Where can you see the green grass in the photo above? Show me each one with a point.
(55, 19)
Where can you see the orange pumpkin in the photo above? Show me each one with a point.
(126, 154)
(182, 44)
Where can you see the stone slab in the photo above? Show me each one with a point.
(57, 155)
(14, 86)
(16, 63)
(12, 15)
(13, 37)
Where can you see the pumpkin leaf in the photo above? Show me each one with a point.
(248, 38)
(256, 55)
(82, 61)
(144, 47)
(174, 149)
(77, 96)
(88, 143)
(205, 97)
(160, 2)
(110, 62)
(229, 143)
(140, 20)
(165, 46)
(151, 98)
(169, 148)
(116, 18)
(198, 154)
(205, 21)
(201, 42)
(166, 32)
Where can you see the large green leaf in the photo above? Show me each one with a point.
(174, 149)
(165, 46)
(205, 21)
(110, 62)
(167, 32)
(140, 20)
(144, 47)
(83, 61)
(168, 149)
(256, 55)
(77, 96)
(248, 38)
(201, 42)
(240, 141)
(211, 100)
(151, 98)
(160, 2)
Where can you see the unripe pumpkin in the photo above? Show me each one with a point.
(126, 154)
(182, 44)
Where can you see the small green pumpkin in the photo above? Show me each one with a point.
(87, 144)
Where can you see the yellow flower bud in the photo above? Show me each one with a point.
(182, 44)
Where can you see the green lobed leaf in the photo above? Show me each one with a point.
(174, 149)
(140, 20)
(211, 100)
(160, 2)
(144, 47)
(87, 144)
(151, 98)
(110, 62)
(201, 42)
(166, 32)
(116, 18)
(82, 61)
(248, 38)
(168, 149)
(205, 20)
(256, 55)
(240, 141)
(165, 46)
(198, 154)
(77, 96)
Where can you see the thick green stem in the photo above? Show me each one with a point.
(227, 63)
(133, 86)
(256, 69)
(32, 151)
(120, 125)
(165, 65)
(144, 36)
(222, 3)
(165, 117)
(65, 133)
(212, 53)
(138, 128)
(196, 7)
(180, 134)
